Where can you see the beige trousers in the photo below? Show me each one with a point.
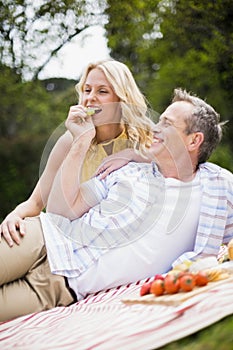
(26, 283)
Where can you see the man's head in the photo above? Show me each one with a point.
(189, 124)
(204, 119)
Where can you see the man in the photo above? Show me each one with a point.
(129, 226)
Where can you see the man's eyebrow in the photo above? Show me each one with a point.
(164, 117)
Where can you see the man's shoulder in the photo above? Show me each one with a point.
(132, 172)
(133, 168)
(214, 170)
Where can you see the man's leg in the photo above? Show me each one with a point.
(26, 283)
(17, 260)
(18, 299)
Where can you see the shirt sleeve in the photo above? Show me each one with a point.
(93, 191)
(119, 216)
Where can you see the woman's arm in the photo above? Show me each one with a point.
(66, 197)
(118, 160)
(13, 226)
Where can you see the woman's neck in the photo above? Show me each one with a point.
(108, 132)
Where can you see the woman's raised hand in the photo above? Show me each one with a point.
(79, 122)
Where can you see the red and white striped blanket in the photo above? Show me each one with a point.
(103, 321)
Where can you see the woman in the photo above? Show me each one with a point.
(108, 90)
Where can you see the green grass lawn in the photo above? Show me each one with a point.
(218, 336)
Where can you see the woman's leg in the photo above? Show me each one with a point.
(17, 260)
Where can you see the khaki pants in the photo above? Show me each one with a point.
(26, 283)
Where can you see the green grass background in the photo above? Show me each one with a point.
(218, 336)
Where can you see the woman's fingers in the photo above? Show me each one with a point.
(13, 231)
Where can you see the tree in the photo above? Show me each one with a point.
(32, 32)
(130, 26)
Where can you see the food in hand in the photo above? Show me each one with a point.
(93, 110)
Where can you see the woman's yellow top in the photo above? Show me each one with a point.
(94, 158)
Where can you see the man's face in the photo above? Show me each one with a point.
(170, 139)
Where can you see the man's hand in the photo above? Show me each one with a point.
(12, 229)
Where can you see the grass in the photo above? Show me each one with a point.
(218, 336)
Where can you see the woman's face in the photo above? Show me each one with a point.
(98, 93)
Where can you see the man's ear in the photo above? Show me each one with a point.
(196, 139)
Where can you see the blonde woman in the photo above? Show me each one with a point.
(111, 99)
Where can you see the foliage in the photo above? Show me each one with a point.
(32, 32)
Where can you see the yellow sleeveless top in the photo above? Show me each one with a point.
(94, 158)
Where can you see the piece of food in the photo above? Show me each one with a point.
(203, 264)
(145, 289)
(171, 284)
(159, 277)
(187, 282)
(216, 274)
(157, 287)
(92, 110)
(183, 267)
(201, 279)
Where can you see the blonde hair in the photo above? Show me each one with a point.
(133, 104)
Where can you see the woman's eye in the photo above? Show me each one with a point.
(87, 90)
(103, 91)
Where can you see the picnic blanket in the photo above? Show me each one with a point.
(103, 321)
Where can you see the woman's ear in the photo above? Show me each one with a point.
(196, 139)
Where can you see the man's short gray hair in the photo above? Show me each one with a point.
(203, 119)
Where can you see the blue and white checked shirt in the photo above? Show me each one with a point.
(129, 205)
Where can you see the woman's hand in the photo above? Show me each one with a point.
(80, 123)
(12, 228)
(114, 162)
(118, 160)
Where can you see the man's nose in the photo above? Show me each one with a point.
(157, 127)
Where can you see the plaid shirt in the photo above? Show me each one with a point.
(129, 199)
(216, 213)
